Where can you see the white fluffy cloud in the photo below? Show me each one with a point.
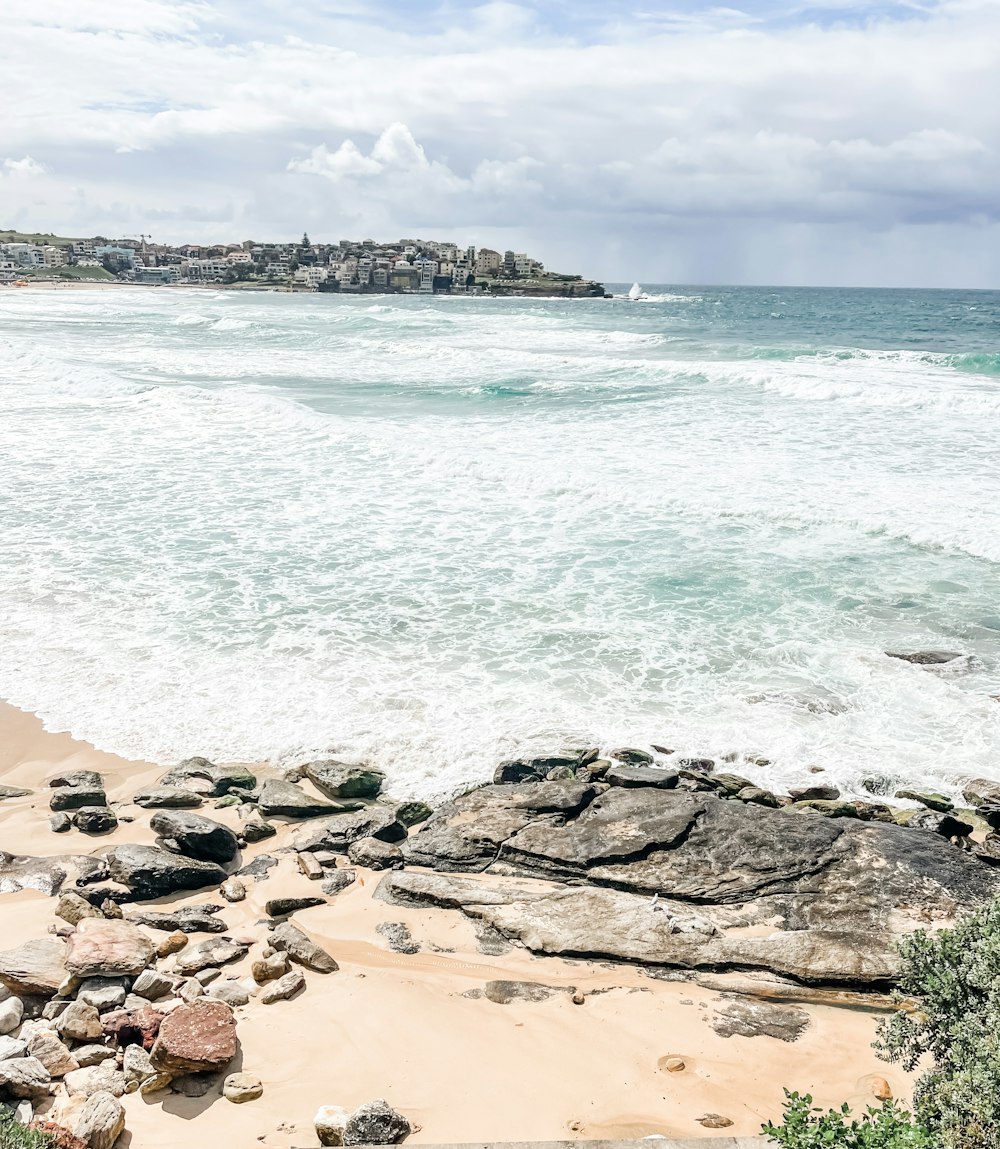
(618, 140)
(26, 166)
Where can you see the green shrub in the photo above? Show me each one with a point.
(887, 1127)
(15, 1136)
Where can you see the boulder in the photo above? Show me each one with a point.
(937, 802)
(285, 987)
(195, 836)
(46, 875)
(12, 792)
(12, 1047)
(77, 779)
(37, 968)
(336, 834)
(75, 798)
(103, 947)
(73, 908)
(196, 1038)
(45, 1045)
(376, 1123)
(343, 780)
(153, 985)
(80, 1022)
(819, 793)
(338, 880)
(925, 657)
(186, 920)
(758, 795)
(254, 830)
(102, 1078)
(199, 776)
(11, 1012)
(95, 819)
(87, 1055)
(127, 1027)
(60, 824)
(632, 757)
(150, 872)
(827, 807)
(330, 1123)
(947, 825)
(242, 1087)
(517, 770)
(286, 800)
(976, 791)
(748, 1017)
(642, 776)
(211, 952)
(233, 890)
(281, 907)
(24, 1077)
(234, 993)
(412, 813)
(289, 939)
(167, 798)
(375, 855)
(104, 993)
(101, 1121)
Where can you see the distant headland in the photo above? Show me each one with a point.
(404, 266)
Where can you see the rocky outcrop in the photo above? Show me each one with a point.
(195, 836)
(335, 835)
(150, 872)
(196, 1038)
(199, 776)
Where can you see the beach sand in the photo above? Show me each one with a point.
(403, 1026)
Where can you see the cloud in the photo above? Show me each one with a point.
(25, 167)
(613, 137)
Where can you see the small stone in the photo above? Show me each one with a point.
(167, 797)
(937, 802)
(101, 1122)
(12, 792)
(827, 807)
(376, 1123)
(281, 907)
(24, 1077)
(374, 854)
(270, 968)
(343, 780)
(208, 975)
(95, 819)
(632, 757)
(233, 993)
(87, 1055)
(412, 813)
(153, 985)
(714, 1121)
(191, 991)
(233, 890)
(339, 880)
(284, 988)
(579, 997)
(635, 776)
(137, 1068)
(330, 1122)
(256, 830)
(398, 935)
(171, 944)
(301, 949)
(758, 796)
(310, 866)
(60, 823)
(242, 1087)
(672, 1064)
(103, 993)
(212, 952)
(11, 1012)
(73, 908)
(50, 1051)
(12, 1047)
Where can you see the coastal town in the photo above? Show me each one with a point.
(407, 266)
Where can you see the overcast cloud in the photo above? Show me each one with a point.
(841, 142)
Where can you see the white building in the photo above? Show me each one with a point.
(310, 276)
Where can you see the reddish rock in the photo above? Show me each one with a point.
(103, 947)
(133, 1026)
(196, 1038)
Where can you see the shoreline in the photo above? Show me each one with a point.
(415, 1027)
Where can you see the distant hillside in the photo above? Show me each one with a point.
(35, 237)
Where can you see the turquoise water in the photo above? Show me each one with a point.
(433, 532)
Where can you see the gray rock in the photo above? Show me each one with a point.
(338, 880)
(167, 798)
(270, 968)
(233, 890)
(24, 1077)
(44, 1044)
(412, 813)
(89, 1055)
(212, 952)
(504, 992)
(376, 1123)
(11, 1012)
(375, 855)
(925, 657)
(195, 1084)
(281, 907)
(46, 875)
(94, 819)
(288, 938)
(233, 993)
(153, 985)
(101, 1078)
(60, 824)
(343, 780)
(207, 975)
(947, 825)
(286, 800)
(101, 1121)
(259, 868)
(285, 987)
(12, 1047)
(937, 802)
(195, 836)
(150, 872)
(37, 968)
(80, 1022)
(761, 797)
(78, 780)
(103, 993)
(748, 1017)
(330, 1122)
(632, 757)
(254, 830)
(398, 935)
(75, 798)
(336, 834)
(976, 791)
(642, 776)
(73, 909)
(814, 793)
(187, 920)
(202, 777)
(518, 770)
(12, 792)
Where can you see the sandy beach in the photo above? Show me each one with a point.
(416, 1028)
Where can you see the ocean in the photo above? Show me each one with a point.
(436, 532)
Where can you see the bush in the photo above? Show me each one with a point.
(887, 1127)
(15, 1136)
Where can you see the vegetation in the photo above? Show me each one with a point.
(949, 1016)
(15, 1136)
(67, 272)
(42, 237)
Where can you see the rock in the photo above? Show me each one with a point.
(281, 907)
(127, 1027)
(138, 1069)
(309, 866)
(337, 834)
(285, 987)
(36, 968)
(411, 813)
(195, 836)
(331, 1122)
(103, 993)
(207, 975)
(24, 1077)
(167, 797)
(171, 944)
(242, 1087)
(195, 1084)
(78, 780)
(259, 868)
(75, 798)
(398, 935)
(877, 1086)
(73, 909)
(376, 1123)
(233, 993)
(702, 765)
(254, 830)
(642, 776)
(936, 802)
(153, 985)
(342, 780)
(814, 794)
(60, 824)
(761, 797)
(632, 757)
(103, 1078)
(976, 791)
(714, 1121)
(947, 825)
(828, 807)
(504, 992)
(339, 880)
(561, 774)
(52, 1009)
(11, 1012)
(154, 873)
(87, 1055)
(191, 991)
(233, 890)
(270, 968)
(672, 1064)
(375, 855)
(186, 920)
(880, 785)
(101, 1121)
(43, 874)
(103, 947)
(925, 657)
(12, 792)
(80, 1022)
(95, 819)
(285, 799)
(196, 1038)
(12, 1047)
(202, 777)
(289, 939)
(873, 811)
(212, 952)
(747, 1017)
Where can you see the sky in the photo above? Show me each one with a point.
(838, 142)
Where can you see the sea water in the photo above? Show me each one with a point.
(433, 532)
